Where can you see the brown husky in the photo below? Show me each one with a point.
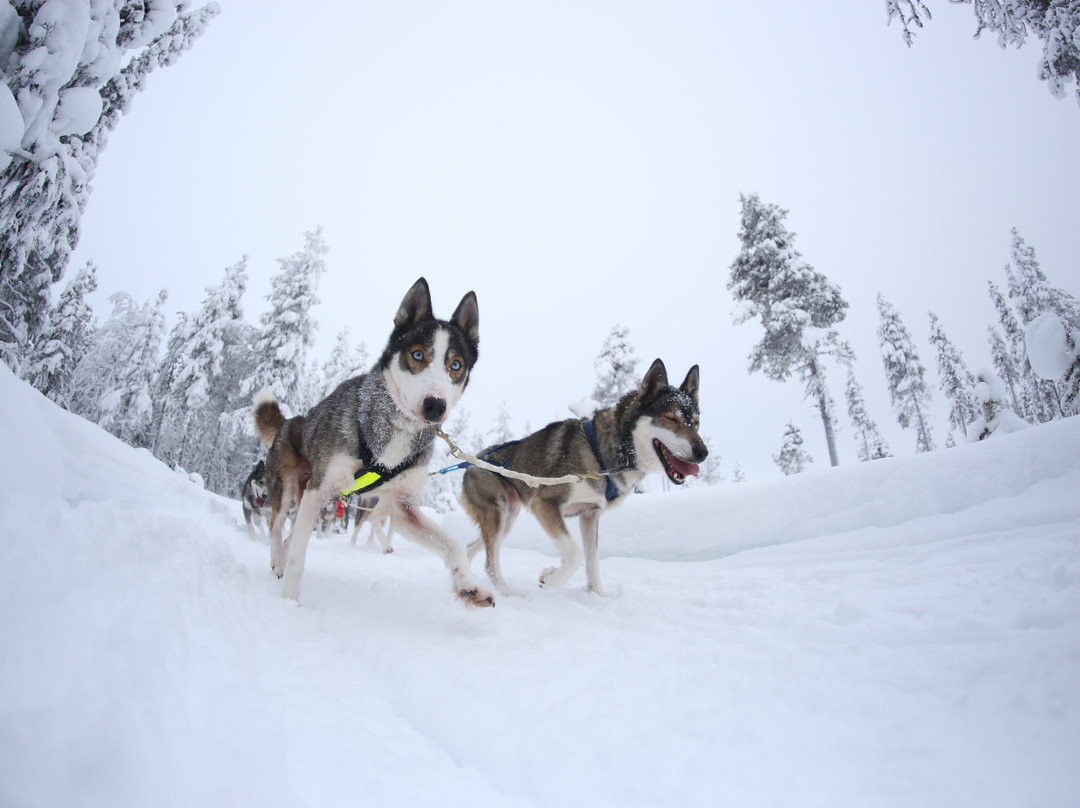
(653, 428)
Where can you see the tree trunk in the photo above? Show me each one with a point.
(923, 432)
(960, 418)
(826, 419)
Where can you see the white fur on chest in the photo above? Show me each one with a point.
(400, 445)
(583, 497)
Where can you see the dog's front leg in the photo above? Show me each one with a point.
(547, 513)
(306, 515)
(590, 540)
(408, 520)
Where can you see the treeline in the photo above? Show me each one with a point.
(185, 394)
(1034, 346)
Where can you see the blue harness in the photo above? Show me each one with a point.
(611, 492)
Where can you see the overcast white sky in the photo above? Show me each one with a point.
(579, 164)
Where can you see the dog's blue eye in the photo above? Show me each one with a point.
(418, 356)
(455, 365)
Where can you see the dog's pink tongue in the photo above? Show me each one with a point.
(684, 468)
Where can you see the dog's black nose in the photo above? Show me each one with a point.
(433, 408)
(700, 453)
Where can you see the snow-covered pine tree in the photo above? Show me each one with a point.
(1055, 22)
(737, 475)
(312, 383)
(69, 65)
(798, 307)
(1004, 364)
(995, 417)
(164, 425)
(792, 457)
(65, 339)
(1031, 292)
(132, 418)
(1053, 350)
(288, 329)
(616, 367)
(1032, 295)
(204, 353)
(225, 460)
(871, 446)
(500, 431)
(905, 375)
(1010, 361)
(956, 380)
(710, 469)
(343, 363)
(112, 385)
(197, 390)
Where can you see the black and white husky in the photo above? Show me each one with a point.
(653, 428)
(375, 431)
(255, 500)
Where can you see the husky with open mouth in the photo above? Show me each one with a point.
(651, 429)
(374, 433)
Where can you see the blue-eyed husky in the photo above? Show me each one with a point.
(375, 431)
(653, 428)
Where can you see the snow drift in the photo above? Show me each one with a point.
(899, 633)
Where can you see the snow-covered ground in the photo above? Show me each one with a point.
(900, 633)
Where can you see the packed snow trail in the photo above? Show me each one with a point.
(899, 633)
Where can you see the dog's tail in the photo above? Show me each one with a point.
(268, 417)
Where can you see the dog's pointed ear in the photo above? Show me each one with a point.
(654, 381)
(415, 306)
(691, 383)
(467, 318)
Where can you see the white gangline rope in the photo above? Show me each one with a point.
(528, 479)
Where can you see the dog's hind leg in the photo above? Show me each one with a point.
(507, 515)
(552, 522)
(494, 507)
(590, 540)
(282, 496)
(277, 548)
(307, 515)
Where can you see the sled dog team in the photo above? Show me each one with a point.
(371, 439)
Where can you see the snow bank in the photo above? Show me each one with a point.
(899, 633)
(709, 523)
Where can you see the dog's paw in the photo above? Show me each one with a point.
(476, 597)
(388, 550)
(546, 576)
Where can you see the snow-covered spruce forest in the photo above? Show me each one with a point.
(185, 392)
(183, 389)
